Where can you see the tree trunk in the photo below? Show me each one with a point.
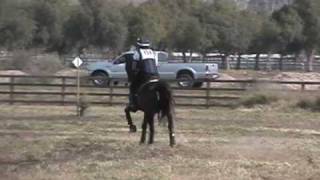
(204, 57)
(184, 57)
(238, 62)
(190, 57)
(257, 60)
(296, 57)
(269, 66)
(225, 62)
(309, 62)
(297, 61)
(281, 62)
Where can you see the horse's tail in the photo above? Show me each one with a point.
(166, 102)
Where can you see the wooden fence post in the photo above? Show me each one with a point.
(63, 90)
(303, 86)
(111, 93)
(11, 95)
(208, 94)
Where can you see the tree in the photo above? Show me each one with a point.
(49, 17)
(150, 21)
(225, 23)
(16, 27)
(156, 19)
(265, 40)
(290, 31)
(108, 27)
(243, 31)
(207, 18)
(214, 17)
(187, 36)
(309, 12)
(78, 29)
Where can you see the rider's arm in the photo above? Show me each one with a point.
(136, 56)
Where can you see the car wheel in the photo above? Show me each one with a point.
(100, 79)
(185, 80)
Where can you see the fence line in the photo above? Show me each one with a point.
(61, 90)
(288, 63)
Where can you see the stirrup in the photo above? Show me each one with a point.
(154, 80)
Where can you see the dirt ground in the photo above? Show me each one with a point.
(274, 76)
(270, 75)
(48, 142)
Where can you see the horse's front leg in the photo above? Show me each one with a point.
(171, 129)
(132, 127)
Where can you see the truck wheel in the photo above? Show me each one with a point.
(100, 79)
(185, 80)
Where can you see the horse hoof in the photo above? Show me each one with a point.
(133, 129)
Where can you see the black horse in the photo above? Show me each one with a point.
(154, 97)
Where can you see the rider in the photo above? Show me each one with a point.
(141, 67)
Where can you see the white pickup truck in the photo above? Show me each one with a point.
(186, 74)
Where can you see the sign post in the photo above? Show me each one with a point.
(77, 62)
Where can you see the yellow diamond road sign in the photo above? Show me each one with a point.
(77, 62)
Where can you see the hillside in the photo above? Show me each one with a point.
(266, 5)
(260, 5)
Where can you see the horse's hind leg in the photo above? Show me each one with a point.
(150, 119)
(171, 129)
(144, 130)
(132, 127)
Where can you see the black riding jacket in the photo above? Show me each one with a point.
(141, 66)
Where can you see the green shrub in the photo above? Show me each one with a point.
(43, 65)
(311, 104)
(304, 104)
(20, 59)
(258, 99)
(317, 104)
(40, 65)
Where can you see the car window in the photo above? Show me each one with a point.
(162, 57)
(120, 60)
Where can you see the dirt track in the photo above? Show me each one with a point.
(260, 143)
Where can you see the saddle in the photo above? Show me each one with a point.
(149, 83)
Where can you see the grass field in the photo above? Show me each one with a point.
(265, 142)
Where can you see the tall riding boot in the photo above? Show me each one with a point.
(133, 102)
